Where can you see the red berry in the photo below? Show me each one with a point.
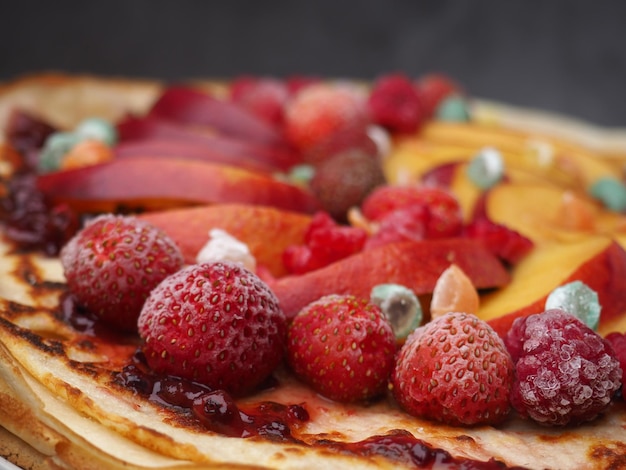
(319, 111)
(395, 103)
(352, 139)
(455, 370)
(442, 217)
(507, 244)
(618, 342)
(344, 181)
(407, 224)
(214, 323)
(433, 89)
(325, 242)
(113, 263)
(343, 347)
(264, 97)
(565, 372)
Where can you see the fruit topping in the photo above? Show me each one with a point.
(618, 342)
(436, 208)
(406, 224)
(454, 292)
(577, 299)
(55, 148)
(27, 133)
(433, 88)
(455, 370)
(343, 347)
(454, 108)
(401, 307)
(344, 181)
(509, 245)
(395, 104)
(318, 112)
(565, 373)
(264, 97)
(97, 129)
(222, 246)
(486, 169)
(610, 192)
(113, 263)
(325, 242)
(85, 153)
(217, 324)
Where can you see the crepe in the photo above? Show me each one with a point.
(61, 405)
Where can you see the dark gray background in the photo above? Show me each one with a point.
(567, 56)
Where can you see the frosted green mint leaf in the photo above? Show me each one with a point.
(400, 305)
(578, 299)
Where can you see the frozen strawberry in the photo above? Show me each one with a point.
(344, 181)
(318, 111)
(455, 370)
(442, 216)
(326, 241)
(113, 263)
(618, 342)
(565, 373)
(265, 97)
(509, 245)
(395, 103)
(343, 347)
(215, 323)
(433, 89)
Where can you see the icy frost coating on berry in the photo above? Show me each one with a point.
(222, 246)
(565, 372)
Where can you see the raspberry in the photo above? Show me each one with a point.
(320, 110)
(395, 103)
(565, 372)
(455, 370)
(113, 263)
(325, 242)
(264, 97)
(343, 347)
(442, 216)
(214, 323)
(344, 180)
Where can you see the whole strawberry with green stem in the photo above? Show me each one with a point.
(113, 263)
(456, 370)
(214, 323)
(343, 347)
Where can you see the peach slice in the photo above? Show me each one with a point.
(190, 106)
(147, 183)
(266, 230)
(416, 265)
(597, 261)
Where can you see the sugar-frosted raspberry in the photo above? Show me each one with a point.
(565, 372)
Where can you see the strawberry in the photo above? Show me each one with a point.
(264, 97)
(343, 347)
(395, 103)
(325, 242)
(320, 110)
(442, 216)
(455, 370)
(215, 323)
(113, 263)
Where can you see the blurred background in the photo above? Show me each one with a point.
(567, 56)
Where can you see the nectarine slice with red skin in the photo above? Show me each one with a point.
(416, 265)
(150, 127)
(266, 230)
(167, 182)
(190, 106)
(171, 148)
(599, 262)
